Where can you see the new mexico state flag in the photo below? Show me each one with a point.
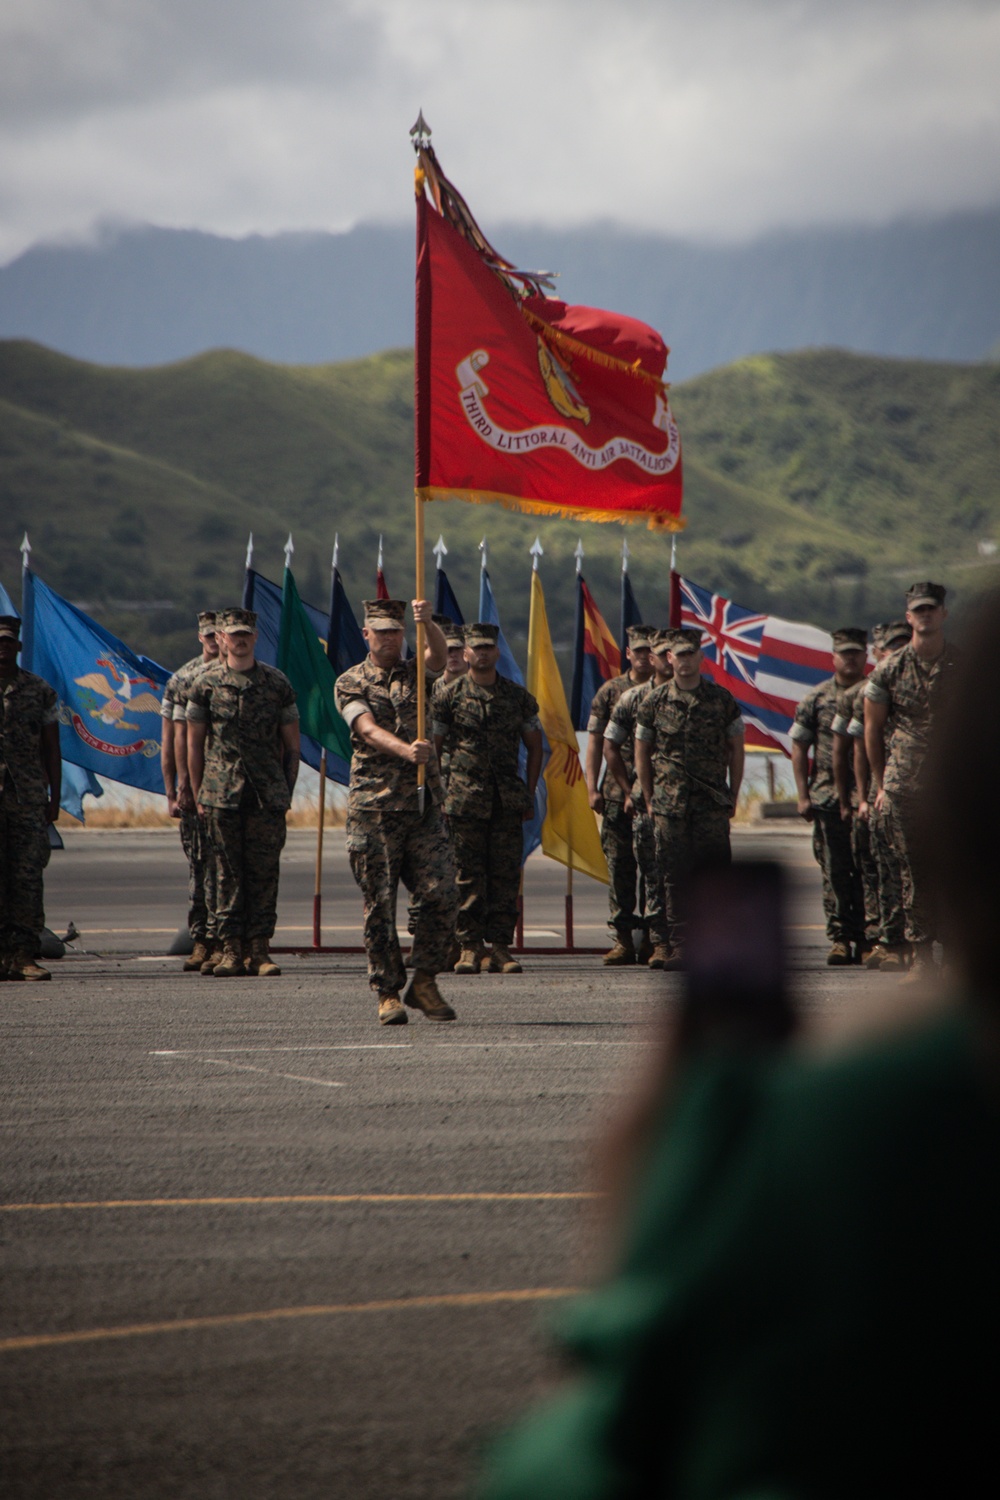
(569, 833)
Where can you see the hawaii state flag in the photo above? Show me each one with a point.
(525, 400)
(768, 664)
(595, 654)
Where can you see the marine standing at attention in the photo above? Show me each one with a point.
(819, 804)
(624, 898)
(243, 761)
(388, 837)
(30, 786)
(689, 761)
(485, 718)
(176, 784)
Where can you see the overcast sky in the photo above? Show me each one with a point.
(711, 118)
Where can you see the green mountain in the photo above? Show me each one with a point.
(817, 485)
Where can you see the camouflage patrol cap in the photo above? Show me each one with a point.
(925, 593)
(660, 641)
(482, 634)
(895, 634)
(384, 614)
(641, 635)
(10, 626)
(235, 621)
(206, 622)
(850, 638)
(454, 635)
(684, 640)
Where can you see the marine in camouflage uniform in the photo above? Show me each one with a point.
(456, 666)
(904, 694)
(30, 785)
(243, 755)
(891, 950)
(625, 899)
(843, 898)
(689, 761)
(619, 754)
(180, 803)
(848, 703)
(389, 837)
(484, 718)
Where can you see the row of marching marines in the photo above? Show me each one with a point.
(664, 766)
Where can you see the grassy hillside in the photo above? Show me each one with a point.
(817, 484)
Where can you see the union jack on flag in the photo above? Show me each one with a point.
(732, 635)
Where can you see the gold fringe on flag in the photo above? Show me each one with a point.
(655, 520)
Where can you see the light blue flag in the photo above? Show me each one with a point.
(508, 667)
(109, 698)
(76, 782)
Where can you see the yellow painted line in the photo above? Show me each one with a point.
(321, 1198)
(279, 1314)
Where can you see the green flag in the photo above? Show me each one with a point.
(306, 665)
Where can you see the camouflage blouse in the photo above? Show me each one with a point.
(813, 725)
(244, 712)
(605, 700)
(174, 702)
(621, 732)
(691, 737)
(381, 782)
(27, 704)
(483, 727)
(913, 691)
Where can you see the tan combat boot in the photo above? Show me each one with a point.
(873, 959)
(199, 953)
(895, 958)
(423, 994)
(469, 960)
(923, 968)
(659, 958)
(259, 961)
(391, 1011)
(232, 959)
(838, 956)
(622, 953)
(500, 961)
(214, 957)
(23, 966)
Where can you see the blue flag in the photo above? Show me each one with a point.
(76, 782)
(345, 645)
(445, 602)
(630, 615)
(109, 698)
(265, 598)
(508, 667)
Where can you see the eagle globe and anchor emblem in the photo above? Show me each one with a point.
(116, 703)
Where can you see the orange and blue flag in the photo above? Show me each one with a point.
(595, 654)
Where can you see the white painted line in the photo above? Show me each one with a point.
(222, 1062)
(332, 1047)
(422, 1050)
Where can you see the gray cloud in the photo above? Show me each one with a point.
(717, 121)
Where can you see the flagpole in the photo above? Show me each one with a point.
(421, 677)
(318, 884)
(27, 609)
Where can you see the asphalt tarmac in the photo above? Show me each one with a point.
(255, 1246)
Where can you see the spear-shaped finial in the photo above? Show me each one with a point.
(440, 550)
(537, 550)
(625, 556)
(482, 551)
(25, 554)
(379, 562)
(420, 132)
(289, 550)
(673, 553)
(579, 555)
(249, 562)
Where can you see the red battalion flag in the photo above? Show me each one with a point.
(523, 399)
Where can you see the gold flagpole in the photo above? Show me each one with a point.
(421, 677)
(318, 891)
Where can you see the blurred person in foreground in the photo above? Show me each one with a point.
(805, 1300)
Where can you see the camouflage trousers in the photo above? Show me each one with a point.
(892, 925)
(644, 847)
(683, 844)
(843, 899)
(201, 876)
(385, 848)
(624, 899)
(901, 822)
(863, 855)
(24, 853)
(246, 844)
(488, 858)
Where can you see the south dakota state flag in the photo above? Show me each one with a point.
(595, 654)
(109, 698)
